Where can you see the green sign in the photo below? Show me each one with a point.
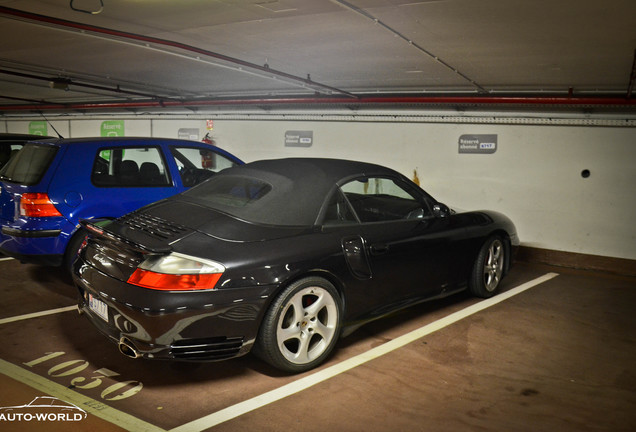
(38, 128)
(105, 154)
(112, 128)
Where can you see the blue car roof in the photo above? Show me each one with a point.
(127, 141)
(116, 140)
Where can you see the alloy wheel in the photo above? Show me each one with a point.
(307, 325)
(493, 265)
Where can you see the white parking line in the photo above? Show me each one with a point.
(244, 407)
(6, 259)
(92, 406)
(129, 422)
(37, 314)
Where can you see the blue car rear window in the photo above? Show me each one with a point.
(29, 165)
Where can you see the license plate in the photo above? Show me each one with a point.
(98, 306)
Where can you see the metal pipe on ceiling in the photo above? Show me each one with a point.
(340, 101)
(632, 78)
(412, 43)
(68, 82)
(140, 40)
(341, 98)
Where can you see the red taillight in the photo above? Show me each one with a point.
(173, 282)
(37, 205)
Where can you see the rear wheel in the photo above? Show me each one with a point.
(489, 268)
(301, 327)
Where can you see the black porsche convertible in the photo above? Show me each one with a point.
(281, 257)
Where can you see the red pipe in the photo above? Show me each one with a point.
(345, 99)
(362, 100)
(266, 70)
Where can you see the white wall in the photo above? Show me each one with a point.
(534, 176)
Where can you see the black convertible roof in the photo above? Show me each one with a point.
(299, 187)
(321, 171)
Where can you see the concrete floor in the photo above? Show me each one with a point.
(558, 356)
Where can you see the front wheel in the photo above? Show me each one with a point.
(301, 327)
(489, 268)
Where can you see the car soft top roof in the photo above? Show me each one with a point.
(318, 170)
(299, 187)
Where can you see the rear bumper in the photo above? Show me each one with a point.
(14, 232)
(40, 245)
(191, 326)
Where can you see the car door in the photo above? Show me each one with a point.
(124, 179)
(407, 247)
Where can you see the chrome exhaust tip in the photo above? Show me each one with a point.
(128, 349)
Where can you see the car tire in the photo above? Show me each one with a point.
(72, 248)
(489, 268)
(301, 327)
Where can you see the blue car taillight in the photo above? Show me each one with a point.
(37, 205)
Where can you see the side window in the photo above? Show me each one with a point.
(197, 164)
(130, 167)
(378, 199)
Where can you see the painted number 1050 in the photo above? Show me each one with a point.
(71, 368)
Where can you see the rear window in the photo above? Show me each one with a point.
(261, 197)
(230, 191)
(8, 149)
(29, 165)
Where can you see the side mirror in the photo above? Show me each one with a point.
(441, 210)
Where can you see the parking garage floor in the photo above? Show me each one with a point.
(555, 351)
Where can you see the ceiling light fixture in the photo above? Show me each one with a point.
(60, 84)
(95, 12)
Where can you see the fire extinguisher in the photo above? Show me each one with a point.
(207, 160)
(208, 139)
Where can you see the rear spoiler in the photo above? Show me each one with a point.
(99, 228)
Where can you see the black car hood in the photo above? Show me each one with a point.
(193, 217)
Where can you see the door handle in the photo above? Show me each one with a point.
(356, 257)
(379, 249)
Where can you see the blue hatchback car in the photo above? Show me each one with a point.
(49, 185)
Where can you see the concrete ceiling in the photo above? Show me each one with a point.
(84, 55)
